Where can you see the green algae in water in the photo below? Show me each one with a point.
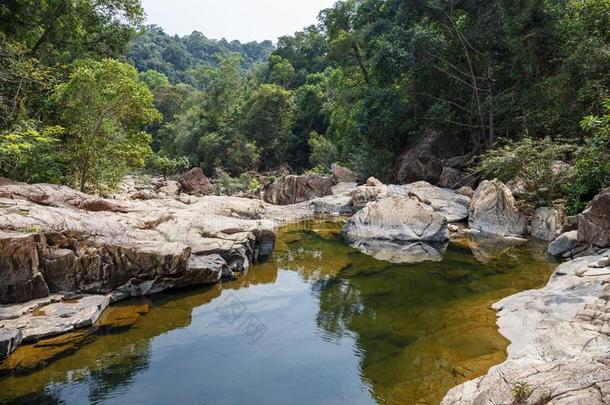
(338, 326)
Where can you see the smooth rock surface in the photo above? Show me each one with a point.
(492, 210)
(397, 219)
(452, 205)
(564, 244)
(55, 316)
(545, 223)
(559, 336)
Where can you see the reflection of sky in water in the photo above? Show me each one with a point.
(339, 327)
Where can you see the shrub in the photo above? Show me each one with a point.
(166, 166)
(27, 153)
(323, 152)
(592, 165)
(538, 164)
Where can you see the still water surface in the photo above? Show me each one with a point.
(320, 323)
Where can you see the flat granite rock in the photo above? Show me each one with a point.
(560, 343)
(54, 317)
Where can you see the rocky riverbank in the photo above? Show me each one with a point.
(560, 342)
(560, 334)
(66, 256)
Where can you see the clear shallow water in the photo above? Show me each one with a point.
(320, 323)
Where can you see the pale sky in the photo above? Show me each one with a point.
(245, 20)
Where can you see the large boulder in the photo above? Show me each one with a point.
(451, 204)
(594, 222)
(426, 159)
(195, 182)
(369, 192)
(492, 210)
(397, 219)
(343, 174)
(293, 189)
(20, 277)
(565, 244)
(545, 223)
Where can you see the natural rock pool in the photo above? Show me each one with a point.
(320, 323)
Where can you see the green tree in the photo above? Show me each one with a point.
(103, 106)
(592, 166)
(63, 30)
(268, 120)
(154, 79)
(28, 153)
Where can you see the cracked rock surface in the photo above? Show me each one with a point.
(560, 342)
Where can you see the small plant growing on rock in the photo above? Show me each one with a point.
(521, 391)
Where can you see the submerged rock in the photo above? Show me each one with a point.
(398, 219)
(492, 210)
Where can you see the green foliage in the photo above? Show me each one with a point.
(59, 31)
(175, 57)
(154, 79)
(592, 165)
(27, 153)
(103, 105)
(323, 152)
(268, 119)
(165, 165)
(227, 185)
(538, 164)
(521, 391)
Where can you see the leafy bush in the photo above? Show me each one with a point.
(227, 185)
(323, 152)
(538, 164)
(27, 153)
(165, 165)
(592, 165)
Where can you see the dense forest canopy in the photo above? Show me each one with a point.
(370, 79)
(175, 56)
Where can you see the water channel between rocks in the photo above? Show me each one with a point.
(319, 323)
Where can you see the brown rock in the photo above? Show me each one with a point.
(343, 174)
(594, 222)
(424, 161)
(20, 277)
(295, 189)
(195, 182)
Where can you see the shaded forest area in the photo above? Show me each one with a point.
(523, 84)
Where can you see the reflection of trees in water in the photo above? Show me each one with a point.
(111, 361)
(133, 360)
(421, 329)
